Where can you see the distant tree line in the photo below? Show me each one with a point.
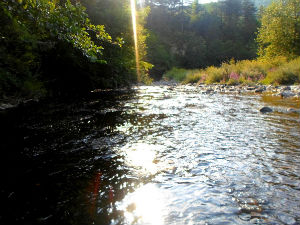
(200, 35)
(272, 32)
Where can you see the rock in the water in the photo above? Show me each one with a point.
(266, 109)
(292, 110)
(260, 90)
(251, 88)
(286, 88)
(286, 94)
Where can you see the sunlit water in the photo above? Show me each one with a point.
(159, 156)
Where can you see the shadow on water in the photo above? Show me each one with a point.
(57, 165)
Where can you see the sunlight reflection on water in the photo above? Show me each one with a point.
(142, 156)
(144, 206)
(205, 157)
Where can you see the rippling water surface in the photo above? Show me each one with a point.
(162, 155)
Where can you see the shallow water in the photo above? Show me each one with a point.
(161, 155)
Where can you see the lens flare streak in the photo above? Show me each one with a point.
(134, 26)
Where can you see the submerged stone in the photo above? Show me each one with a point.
(266, 109)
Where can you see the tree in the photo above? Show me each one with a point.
(195, 12)
(231, 11)
(279, 33)
(249, 21)
(30, 33)
(213, 33)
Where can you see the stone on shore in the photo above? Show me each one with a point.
(286, 88)
(260, 89)
(251, 88)
(286, 94)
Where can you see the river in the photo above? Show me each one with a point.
(157, 155)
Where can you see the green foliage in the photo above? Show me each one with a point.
(194, 76)
(32, 87)
(214, 74)
(201, 35)
(176, 74)
(275, 71)
(66, 22)
(142, 35)
(52, 46)
(288, 73)
(233, 82)
(279, 33)
(116, 16)
(158, 55)
(31, 30)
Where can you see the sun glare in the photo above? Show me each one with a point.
(141, 156)
(133, 15)
(144, 206)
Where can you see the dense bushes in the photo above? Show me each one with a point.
(176, 74)
(287, 73)
(275, 71)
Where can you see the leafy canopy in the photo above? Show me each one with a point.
(279, 34)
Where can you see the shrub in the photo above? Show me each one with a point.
(275, 71)
(234, 76)
(214, 74)
(193, 77)
(232, 82)
(33, 87)
(288, 73)
(176, 74)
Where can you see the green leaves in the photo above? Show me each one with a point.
(49, 19)
(279, 33)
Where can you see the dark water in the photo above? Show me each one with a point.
(158, 156)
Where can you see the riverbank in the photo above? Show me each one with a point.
(10, 103)
(276, 71)
(284, 91)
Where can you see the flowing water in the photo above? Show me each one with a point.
(159, 155)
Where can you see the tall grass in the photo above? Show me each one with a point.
(288, 73)
(272, 71)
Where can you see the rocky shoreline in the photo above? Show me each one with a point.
(284, 91)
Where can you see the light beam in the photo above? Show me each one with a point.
(133, 15)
